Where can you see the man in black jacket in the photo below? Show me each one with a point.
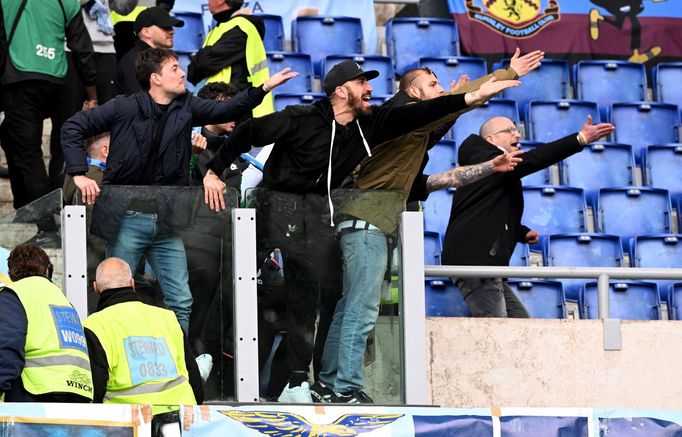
(485, 221)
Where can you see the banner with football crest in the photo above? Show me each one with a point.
(642, 31)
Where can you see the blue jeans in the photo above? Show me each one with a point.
(166, 255)
(365, 254)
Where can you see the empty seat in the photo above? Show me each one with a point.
(437, 211)
(582, 250)
(675, 301)
(470, 122)
(298, 62)
(644, 123)
(658, 251)
(551, 120)
(382, 85)
(667, 77)
(190, 37)
(322, 36)
(550, 81)
(432, 248)
(541, 177)
(274, 32)
(628, 300)
(542, 299)
(284, 100)
(443, 299)
(554, 209)
(442, 157)
(599, 165)
(662, 168)
(521, 255)
(608, 82)
(408, 39)
(632, 211)
(451, 68)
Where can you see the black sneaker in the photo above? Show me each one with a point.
(46, 239)
(321, 393)
(352, 397)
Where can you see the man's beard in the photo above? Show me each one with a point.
(357, 106)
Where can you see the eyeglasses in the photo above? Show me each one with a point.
(510, 130)
(426, 70)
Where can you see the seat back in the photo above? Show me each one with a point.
(443, 299)
(554, 209)
(437, 211)
(675, 301)
(662, 167)
(442, 157)
(284, 100)
(274, 33)
(658, 251)
(540, 177)
(321, 36)
(628, 300)
(190, 37)
(382, 85)
(470, 122)
(542, 299)
(408, 39)
(550, 120)
(432, 248)
(450, 68)
(667, 77)
(645, 123)
(607, 82)
(298, 62)
(521, 255)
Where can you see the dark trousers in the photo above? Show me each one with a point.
(26, 105)
(490, 297)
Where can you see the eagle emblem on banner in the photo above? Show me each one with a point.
(280, 424)
(514, 18)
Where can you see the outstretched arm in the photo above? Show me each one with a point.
(460, 176)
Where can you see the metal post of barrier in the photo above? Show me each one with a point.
(604, 309)
(75, 258)
(245, 309)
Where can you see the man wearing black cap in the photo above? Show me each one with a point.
(154, 28)
(316, 147)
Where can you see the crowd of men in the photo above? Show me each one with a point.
(335, 245)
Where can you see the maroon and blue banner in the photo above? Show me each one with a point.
(635, 30)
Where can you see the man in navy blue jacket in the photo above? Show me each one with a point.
(150, 145)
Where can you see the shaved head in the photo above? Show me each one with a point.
(493, 125)
(501, 132)
(112, 273)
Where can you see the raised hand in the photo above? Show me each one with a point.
(488, 90)
(507, 161)
(456, 85)
(279, 78)
(592, 132)
(523, 65)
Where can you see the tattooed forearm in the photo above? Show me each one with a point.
(459, 176)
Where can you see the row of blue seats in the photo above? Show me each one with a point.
(629, 300)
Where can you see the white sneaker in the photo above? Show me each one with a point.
(296, 395)
(205, 364)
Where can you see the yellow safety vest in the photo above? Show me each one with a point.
(56, 353)
(145, 351)
(256, 60)
(117, 18)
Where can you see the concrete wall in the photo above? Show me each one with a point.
(552, 363)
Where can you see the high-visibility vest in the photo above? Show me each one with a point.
(145, 351)
(56, 353)
(118, 18)
(256, 59)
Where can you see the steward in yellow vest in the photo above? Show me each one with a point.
(234, 53)
(43, 353)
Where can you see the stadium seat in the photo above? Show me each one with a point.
(322, 36)
(284, 100)
(667, 77)
(442, 157)
(437, 211)
(451, 68)
(662, 168)
(550, 81)
(274, 33)
(184, 60)
(190, 37)
(550, 120)
(521, 256)
(470, 122)
(443, 299)
(432, 248)
(554, 209)
(542, 299)
(632, 211)
(378, 99)
(582, 250)
(658, 251)
(599, 165)
(409, 39)
(382, 85)
(628, 300)
(299, 62)
(608, 82)
(542, 177)
(675, 301)
(207, 18)
(645, 123)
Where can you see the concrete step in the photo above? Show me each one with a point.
(5, 190)
(12, 234)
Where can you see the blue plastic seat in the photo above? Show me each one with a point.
(667, 77)
(628, 300)
(662, 168)
(554, 209)
(299, 62)
(541, 177)
(408, 39)
(190, 37)
(443, 299)
(322, 36)
(658, 251)
(551, 120)
(382, 85)
(607, 82)
(442, 157)
(675, 301)
(274, 32)
(542, 299)
(432, 248)
(632, 211)
(437, 211)
(642, 124)
(550, 81)
(284, 100)
(582, 250)
(521, 255)
(599, 165)
(470, 122)
(451, 68)
(207, 18)
(184, 60)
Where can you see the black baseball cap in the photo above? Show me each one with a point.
(342, 73)
(156, 16)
